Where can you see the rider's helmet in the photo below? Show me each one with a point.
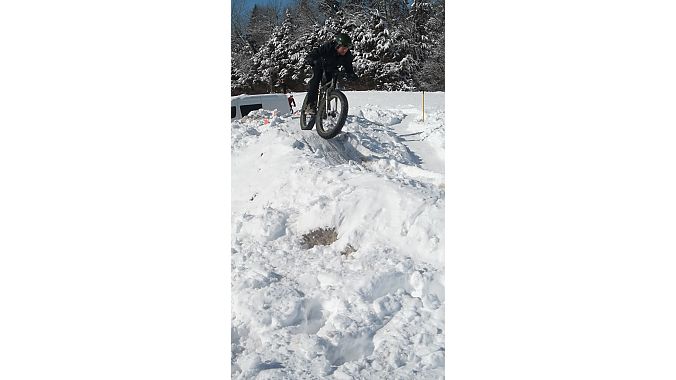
(344, 40)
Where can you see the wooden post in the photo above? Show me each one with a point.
(423, 106)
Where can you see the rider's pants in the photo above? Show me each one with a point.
(313, 86)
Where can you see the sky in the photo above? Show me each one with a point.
(249, 4)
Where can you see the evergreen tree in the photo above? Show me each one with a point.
(427, 21)
(284, 54)
(281, 59)
(307, 41)
(419, 17)
(430, 77)
(241, 53)
(381, 52)
(261, 23)
(328, 9)
(394, 48)
(391, 10)
(306, 15)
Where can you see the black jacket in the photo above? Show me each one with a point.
(328, 57)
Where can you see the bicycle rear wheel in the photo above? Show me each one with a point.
(307, 122)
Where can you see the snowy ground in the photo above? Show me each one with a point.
(371, 304)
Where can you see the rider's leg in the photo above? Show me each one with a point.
(313, 88)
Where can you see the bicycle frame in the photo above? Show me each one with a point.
(326, 87)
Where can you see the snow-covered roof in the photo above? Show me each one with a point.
(261, 96)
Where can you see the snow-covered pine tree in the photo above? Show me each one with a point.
(281, 59)
(328, 9)
(381, 52)
(392, 10)
(436, 22)
(262, 21)
(264, 67)
(284, 54)
(393, 50)
(399, 10)
(301, 48)
(427, 25)
(241, 53)
(419, 17)
(334, 25)
(240, 61)
(306, 15)
(430, 77)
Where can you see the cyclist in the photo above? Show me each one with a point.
(326, 59)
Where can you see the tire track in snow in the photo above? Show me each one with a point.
(371, 146)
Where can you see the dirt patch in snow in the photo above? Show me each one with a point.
(320, 236)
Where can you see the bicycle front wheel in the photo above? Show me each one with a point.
(332, 114)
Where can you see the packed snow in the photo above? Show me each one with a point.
(338, 245)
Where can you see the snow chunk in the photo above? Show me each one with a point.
(252, 125)
(381, 116)
(269, 225)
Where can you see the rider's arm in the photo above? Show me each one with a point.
(316, 54)
(349, 69)
(312, 57)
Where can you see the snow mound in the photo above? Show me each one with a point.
(384, 117)
(311, 311)
(433, 129)
(252, 125)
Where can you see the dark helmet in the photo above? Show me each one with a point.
(344, 39)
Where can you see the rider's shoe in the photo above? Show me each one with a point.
(311, 109)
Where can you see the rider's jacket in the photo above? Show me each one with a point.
(328, 58)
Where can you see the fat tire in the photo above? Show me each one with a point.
(310, 123)
(341, 118)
